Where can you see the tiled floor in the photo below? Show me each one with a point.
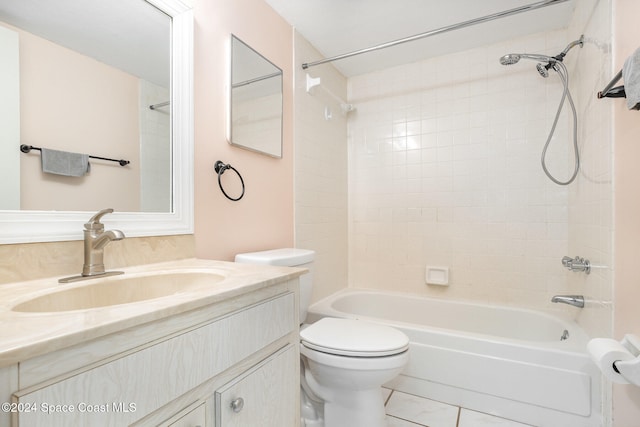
(406, 410)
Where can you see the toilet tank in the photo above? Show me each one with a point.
(287, 257)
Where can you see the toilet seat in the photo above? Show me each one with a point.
(354, 338)
(355, 364)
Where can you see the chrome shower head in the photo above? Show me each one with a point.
(510, 59)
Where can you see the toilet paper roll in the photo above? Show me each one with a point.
(604, 352)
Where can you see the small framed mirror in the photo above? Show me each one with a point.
(255, 101)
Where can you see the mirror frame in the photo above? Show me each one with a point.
(48, 226)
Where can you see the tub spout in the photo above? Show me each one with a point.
(574, 300)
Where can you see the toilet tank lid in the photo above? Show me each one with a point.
(285, 257)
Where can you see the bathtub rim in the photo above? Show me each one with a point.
(576, 343)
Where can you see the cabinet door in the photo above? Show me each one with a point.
(265, 396)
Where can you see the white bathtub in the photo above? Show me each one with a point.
(498, 360)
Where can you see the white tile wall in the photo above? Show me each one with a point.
(444, 169)
(321, 172)
(591, 200)
(155, 149)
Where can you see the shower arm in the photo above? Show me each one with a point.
(553, 59)
(560, 57)
(579, 42)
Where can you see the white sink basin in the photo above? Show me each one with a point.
(122, 290)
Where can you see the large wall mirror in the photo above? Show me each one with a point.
(255, 101)
(109, 79)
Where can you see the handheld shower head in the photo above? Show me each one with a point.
(510, 59)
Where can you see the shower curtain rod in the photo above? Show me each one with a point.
(441, 30)
(257, 79)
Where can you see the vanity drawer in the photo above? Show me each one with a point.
(126, 389)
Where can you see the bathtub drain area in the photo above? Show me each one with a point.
(407, 410)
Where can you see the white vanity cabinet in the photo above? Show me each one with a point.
(234, 363)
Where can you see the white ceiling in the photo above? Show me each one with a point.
(130, 35)
(339, 26)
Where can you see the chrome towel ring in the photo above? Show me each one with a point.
(220, 168)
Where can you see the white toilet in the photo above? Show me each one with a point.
(345, 361)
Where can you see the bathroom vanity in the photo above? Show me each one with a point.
(218, 354)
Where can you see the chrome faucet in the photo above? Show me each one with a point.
(95, 239)
(574, 300)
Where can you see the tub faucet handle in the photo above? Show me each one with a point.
(577, 264)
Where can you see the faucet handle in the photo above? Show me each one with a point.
(94, 222)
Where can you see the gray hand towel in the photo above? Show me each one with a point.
(631, 76)
(64, 162)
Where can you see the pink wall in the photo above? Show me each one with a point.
(626, 398)
(264, 217)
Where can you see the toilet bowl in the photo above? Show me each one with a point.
(344, 362)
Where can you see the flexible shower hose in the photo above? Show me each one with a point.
(560, 68)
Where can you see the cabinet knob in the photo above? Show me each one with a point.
(237, 404)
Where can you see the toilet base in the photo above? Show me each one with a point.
(311, 411)
(364, 408)
(355, 408)
(311, 423)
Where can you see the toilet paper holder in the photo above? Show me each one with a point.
(630, 369)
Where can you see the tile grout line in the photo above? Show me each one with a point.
(409, 421)
(389, 397)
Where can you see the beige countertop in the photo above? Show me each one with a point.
(25, 335)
